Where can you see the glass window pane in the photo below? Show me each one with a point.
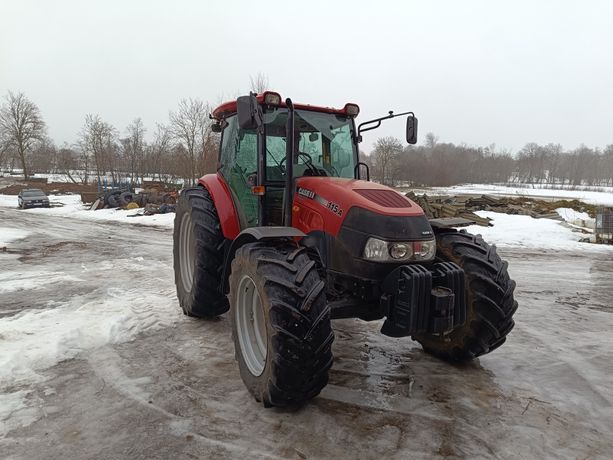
(324, 144)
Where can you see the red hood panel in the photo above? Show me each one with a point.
(332, 197)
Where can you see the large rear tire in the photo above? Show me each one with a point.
(198, 253)
(489, 299)
(280, 323)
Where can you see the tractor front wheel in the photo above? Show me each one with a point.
(489, 299)
(198, 255)
(280, 323)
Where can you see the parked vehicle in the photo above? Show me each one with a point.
(32, 198)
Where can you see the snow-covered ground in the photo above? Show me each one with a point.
(544, 234)
(67, 287)
(75, 296)
(9, 234)
(72, 207)
(600, 196)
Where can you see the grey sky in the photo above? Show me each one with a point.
(478, 72)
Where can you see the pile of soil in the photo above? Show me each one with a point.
(51, 187)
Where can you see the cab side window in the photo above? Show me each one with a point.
(239, 166)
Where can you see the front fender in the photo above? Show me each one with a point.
(251, 235)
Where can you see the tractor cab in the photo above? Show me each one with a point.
(266, 144)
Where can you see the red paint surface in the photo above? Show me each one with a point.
(228, 108)
(220, 192)
(309, 214)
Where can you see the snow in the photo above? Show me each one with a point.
(38, 339)
(580, 219)
(546, 390)
(18, 280)
(598, 195)
(15, 412)
(72, 207)
(8, 234)
(511, 231)
(35, 338)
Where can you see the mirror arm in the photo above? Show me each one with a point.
(378, 122)
(356, 171)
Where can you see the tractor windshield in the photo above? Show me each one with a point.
(324, 144)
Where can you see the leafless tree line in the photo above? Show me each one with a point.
(444, 164)
(180, 150)
(185, 148)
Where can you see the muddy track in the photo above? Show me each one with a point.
(168, 385)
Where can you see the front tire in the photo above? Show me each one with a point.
(490, 304)
(198, 252)
(280, 323)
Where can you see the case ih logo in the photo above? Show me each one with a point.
(306, 193)
(311, 195)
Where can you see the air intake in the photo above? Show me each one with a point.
(386, 198)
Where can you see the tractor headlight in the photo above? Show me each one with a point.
(399, 251)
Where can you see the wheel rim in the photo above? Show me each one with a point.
(187, 258)
(251, 326)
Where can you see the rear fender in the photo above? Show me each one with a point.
(221, 194)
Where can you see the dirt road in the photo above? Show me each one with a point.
(140, 380)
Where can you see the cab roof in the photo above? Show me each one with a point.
(228, 108)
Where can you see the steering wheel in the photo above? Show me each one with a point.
(308, 161)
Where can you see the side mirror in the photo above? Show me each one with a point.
(249, 112)
(412, 129)
(216, 127)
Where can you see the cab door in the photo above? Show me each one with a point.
(238, 166)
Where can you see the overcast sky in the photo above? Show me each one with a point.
(478, 72)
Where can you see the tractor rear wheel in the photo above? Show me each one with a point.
(280, 323)
(489, 299)
(198, 253)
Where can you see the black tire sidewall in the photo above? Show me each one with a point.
(257, 385)
(299, 333)
(469, 340)
(205, 284)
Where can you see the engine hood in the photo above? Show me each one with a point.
(333, 197)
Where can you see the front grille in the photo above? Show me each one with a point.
(386, 198)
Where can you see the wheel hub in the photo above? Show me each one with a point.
(251, 326)
(187, 258)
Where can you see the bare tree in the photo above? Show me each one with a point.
(386, 152)
(4, 148)
(259, 83)
(190, 126)
(68, 164)
(159, 149)
(43, 156)
(134, 148)
(431, 140)
(22, 126)
(97, 141)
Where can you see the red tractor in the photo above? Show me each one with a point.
(288, 235)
